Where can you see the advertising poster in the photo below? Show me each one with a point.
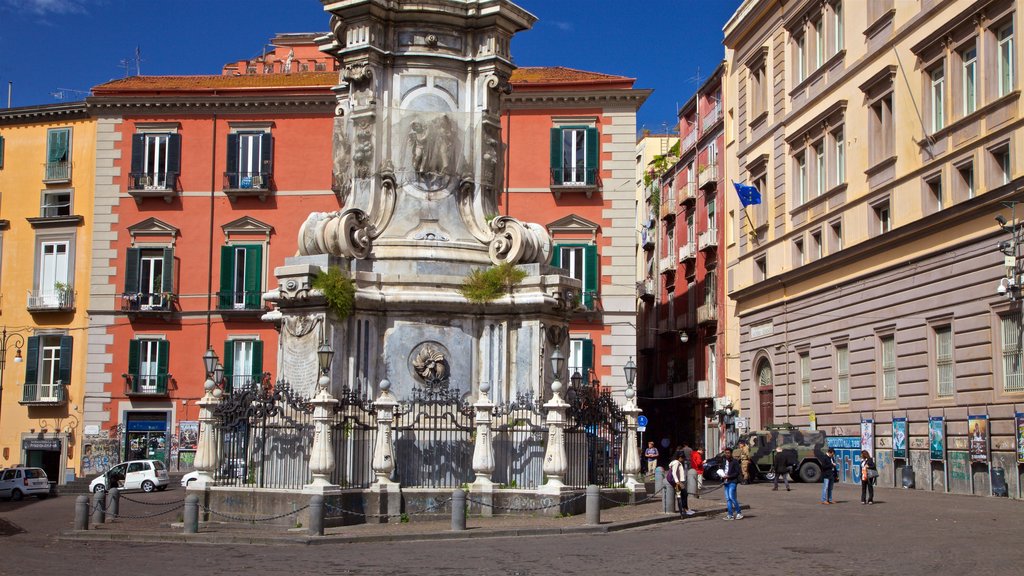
(899, 438)
(867, 436)
(977, 437)
(937, 437)
(188, 434)
(1020, 436)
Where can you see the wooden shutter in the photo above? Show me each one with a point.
(556, 255)
(66, 349)
(227, 265)
(591, 265)
(557, 176)
(266, 155)
(1, 151)
(229, 364)
(163, 353)
(173, 154)
(131, 271)
(29, 393)
(232, 163)
(588, 358)
(168, 279)
(593, 156)
(134, 351)
(253, 275)
(138, 153)
(57, 146)
(257, 359)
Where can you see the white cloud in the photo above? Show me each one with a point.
(42, 7)
(563, 26)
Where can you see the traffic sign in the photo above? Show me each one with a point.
(641, 428)
(641, 421)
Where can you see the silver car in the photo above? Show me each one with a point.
(16, 483)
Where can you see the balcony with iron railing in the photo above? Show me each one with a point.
(143, 185)
(147, 303)
(56, 172)
(708, 240)
(688, 141)
(667, 264)
(712, 117)
(573, 179)
(708, 177)
(49, 393)
(240, 301)
(687, 252)
(688, 192)
(146, 384)
(647, 238)
(52, 300)
(707, 313)
(645, 290)
(244, 184)
(668, 205)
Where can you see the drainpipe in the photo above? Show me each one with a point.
(213, 199)
(785, 320)
(508, 158)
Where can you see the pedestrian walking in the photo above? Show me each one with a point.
(730, 475)
(697, 463)
(829, 476)
(651, 454)
(745, 461)
(868, 475)
(782, 466)
(678, 468)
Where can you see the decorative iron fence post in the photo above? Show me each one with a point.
(208, 446)
(483, 449)
(321, 460)
(631, 458)
(383, 451)
(555, 458)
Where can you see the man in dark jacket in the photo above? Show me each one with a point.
(784, 463)
(730, 475)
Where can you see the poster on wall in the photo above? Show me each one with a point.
(937, 437)
(899, 438)
(867, 436)
(188, 434)
(977, 430)
(1019, 420)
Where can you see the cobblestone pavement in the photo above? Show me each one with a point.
(904, 532)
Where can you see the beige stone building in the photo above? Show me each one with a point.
(884, 136)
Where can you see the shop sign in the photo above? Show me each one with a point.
(45, 444)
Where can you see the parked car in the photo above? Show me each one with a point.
(16, 483)
(145, 475)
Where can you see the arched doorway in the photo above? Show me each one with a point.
(766, 392)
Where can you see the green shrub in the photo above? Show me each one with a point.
(483, 286)
(338, 290)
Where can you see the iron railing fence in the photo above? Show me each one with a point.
(520, 438)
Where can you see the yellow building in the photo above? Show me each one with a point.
(47, 171)
(876, 297)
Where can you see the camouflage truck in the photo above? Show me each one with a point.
(809, 445)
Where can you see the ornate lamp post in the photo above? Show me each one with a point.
(631, 463)
(321, 459)
(483, 448)
(555, 458)
(17, 341)
(208, 446)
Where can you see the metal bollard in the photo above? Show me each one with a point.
(113, 504)
(191, 514)
(458, 510)
(691, 482)
(593, 505)
(98, 507)
(668, 497)
(659, 479)
(82, 513)
(316, 515)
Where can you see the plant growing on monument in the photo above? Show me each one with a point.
(338, 289)
(485, 285)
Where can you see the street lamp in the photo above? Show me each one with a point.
(557, 364)
(324, 354)
(18, 341)
(210, 361)
(629, 370)
(576, 379)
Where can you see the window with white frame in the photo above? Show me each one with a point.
(711, 210)
(1013, 353)
(156, 160)
(574, 156)
(1005, 59)
(801, 177)
(800, 66)
(55, 203)
(842, 374)
(888, 346)
(819, 43)
(837, 27)
(581, 358)
(938, 101)
(243, 362)
(805, 379)
(54, 272)
(944, 361)
(819, 168)
(838, 156)
(969, 80)
(47, 368)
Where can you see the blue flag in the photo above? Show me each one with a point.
(748, 194)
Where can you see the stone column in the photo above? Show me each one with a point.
(631, 458)
(208, 446)
(321, 460)
(383, 450)
(483, 448)
(555, 457)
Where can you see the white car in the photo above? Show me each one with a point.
(189, 478)
(145, 475)
(16, 483)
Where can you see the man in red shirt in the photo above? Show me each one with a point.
(697, 463)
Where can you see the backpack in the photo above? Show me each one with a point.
(669, 477)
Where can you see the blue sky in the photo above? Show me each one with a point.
(52, 46)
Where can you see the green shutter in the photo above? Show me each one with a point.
(257, 359)
(31, 369)
(229, 364)
(138, 153)
(57, 145)
(131, 271)
(556, 255)
(168, 278)
(253, 276)
(232, 161)
(227, 265)
(556, 157)
(133, 363)
(66, 350)
(173, 155)
(1, 151)
(591, 269)
(593, 155)
(266, 155)
(163, 352)
(588, 358)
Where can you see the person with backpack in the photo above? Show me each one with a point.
(677, 479)
(868, 474)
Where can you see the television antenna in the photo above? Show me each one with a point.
(68, 93)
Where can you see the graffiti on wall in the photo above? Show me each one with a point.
(99, 453)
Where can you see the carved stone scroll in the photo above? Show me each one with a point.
(516, 242)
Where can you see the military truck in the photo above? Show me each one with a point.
(809, 445)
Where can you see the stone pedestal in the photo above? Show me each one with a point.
(321, 459)
(555, 457)
(208, 445)
(631, 456)
(483, 448)
(384, 451)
